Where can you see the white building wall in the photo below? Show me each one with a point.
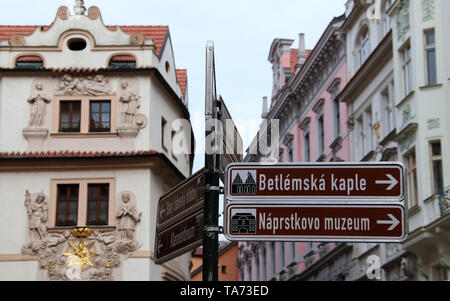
(18, 271)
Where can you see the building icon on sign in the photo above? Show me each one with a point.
(244, 223)
(238, 185)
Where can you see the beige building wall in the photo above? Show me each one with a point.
(144, 177)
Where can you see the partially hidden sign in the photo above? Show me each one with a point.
(188, 196)
(179, 238)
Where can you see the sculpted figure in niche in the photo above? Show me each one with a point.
(38, 101)
(37, 211)
(131, 104)
(127, 216)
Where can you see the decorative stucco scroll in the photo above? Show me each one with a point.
(81, 253)
(93, 12)
(428, 10)
(137, 39)
(63, 13)
(17, 40)
(403, 23)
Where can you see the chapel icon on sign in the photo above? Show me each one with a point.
(241, 187)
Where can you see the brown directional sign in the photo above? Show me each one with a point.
(185, 198)
(273, 222)
(341, 181)
(179, 238)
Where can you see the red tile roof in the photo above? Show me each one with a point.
(123, 58)
(182, 79)
(7, 31)
(73, 154)
(29, 58)
(294, 58)
(157, 33)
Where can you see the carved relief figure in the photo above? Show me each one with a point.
(91, 86)
(81, 254)
(131, 104)
(38, 101)
(403, 18)
(98, 85)
(37, 211)
(127, 218)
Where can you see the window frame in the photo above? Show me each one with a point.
(361, 135)
(368, 128)
(98, 200)
(82, 212)
(100, 112)
(428, 48)
(68, 200)
(387, 109)
(306, 139)
(407, 69)
(85, 115)
(71, 115)
(387, 20)
(364, 45)
(412, 178)
(433, 159)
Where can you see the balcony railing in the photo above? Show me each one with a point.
(444, 201)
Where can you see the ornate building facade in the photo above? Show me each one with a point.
(397, 97)
(85, 148)
(312, 123)
(394, 95)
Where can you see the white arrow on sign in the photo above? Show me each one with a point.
(160, 245)
(394, 222)
(392, 182)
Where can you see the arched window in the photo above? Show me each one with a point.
(364, 45)
(29, 62)
(387, 20)
(122, 62)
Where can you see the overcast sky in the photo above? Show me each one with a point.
(242, 31)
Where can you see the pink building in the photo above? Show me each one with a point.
(313, 128)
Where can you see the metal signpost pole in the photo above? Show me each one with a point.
(211, 214)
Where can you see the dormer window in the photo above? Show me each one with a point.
(122, 62)
(29, 62)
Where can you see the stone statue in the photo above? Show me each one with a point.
(131, 104)
(63, 255)
(38, 101)
(37, 211)
(127, 218)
